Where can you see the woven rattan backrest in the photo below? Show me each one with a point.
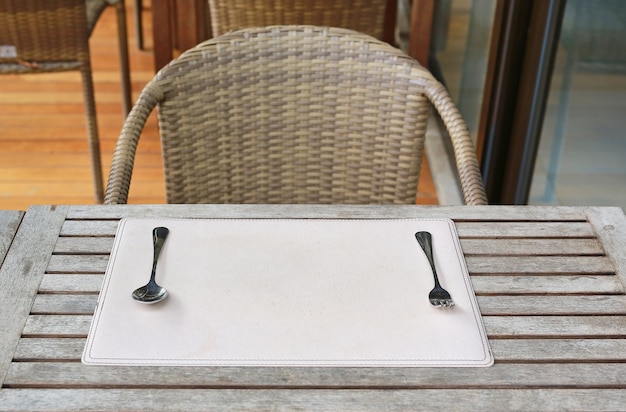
(43, 31)
(366, 16)
(292, 115)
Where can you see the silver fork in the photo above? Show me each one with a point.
(438, 296)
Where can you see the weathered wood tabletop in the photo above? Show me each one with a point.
(549, 282)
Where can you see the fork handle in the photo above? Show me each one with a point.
(426, 242)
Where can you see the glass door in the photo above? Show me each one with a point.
(582, 149)
(459, 52)
(542, 86)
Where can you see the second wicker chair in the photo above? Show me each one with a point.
(374, 17)
(293, 114)
(40, 36)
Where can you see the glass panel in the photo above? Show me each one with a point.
(460, 46)
(582, 151)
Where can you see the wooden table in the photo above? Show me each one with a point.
(549, 282)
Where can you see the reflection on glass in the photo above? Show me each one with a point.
(583, 142)
(460, 47)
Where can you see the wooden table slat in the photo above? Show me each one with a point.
(487, 246)
(477, 213)
(71, 283)
(552, 305)
(86, 228)
(9, 223)
(529, 229)
(475, 264)
(58, 325)
(507, 229)
(78, 264)
(311, 399)
(555, 326)
(531, 247)
(497, 326)
(506, 350)
(547, 284)
(84, 245)
(606, 374)
(483, 285)
(539, 264)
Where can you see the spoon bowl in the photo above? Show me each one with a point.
(147, 294)
(152, 292)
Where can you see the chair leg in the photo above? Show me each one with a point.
(139, 23)
(124, 60)
(92, 131)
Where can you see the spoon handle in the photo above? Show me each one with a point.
(158, 238)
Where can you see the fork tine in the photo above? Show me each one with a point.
(442, 302)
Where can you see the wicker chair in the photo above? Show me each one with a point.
(374, 17)
(293, 114)
(53, 35)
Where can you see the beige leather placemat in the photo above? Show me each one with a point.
(287, 292)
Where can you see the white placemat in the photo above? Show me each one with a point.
(287, 292)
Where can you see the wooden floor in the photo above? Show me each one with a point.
(43, 147)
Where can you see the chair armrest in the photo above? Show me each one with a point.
(126, 147)
(464, 151)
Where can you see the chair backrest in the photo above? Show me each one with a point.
(290, 114)
(373, 17)
(43, 31)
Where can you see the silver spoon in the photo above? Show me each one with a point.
(151, 292)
